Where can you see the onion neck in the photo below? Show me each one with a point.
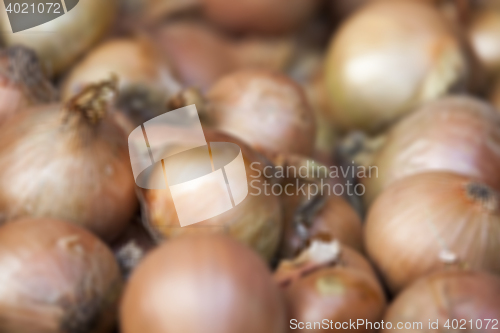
(360, 149)
(482, 195)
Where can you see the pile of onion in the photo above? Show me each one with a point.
(257, 221)
(268, 111)
(424, 222)
(457, 134)
(202, 283)
(68, 162)
(61, 41)
(329, 281)
(201, 54)
(22, 81)
(388, 58)
(146, 80)
(56, 278)
(461, 299)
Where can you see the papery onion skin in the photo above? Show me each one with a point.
(202, 283)
(268, 111)
(456, 134)
(388, 58)
(66, 168)
(259, 16)
(484, 36)
(454, 295)
(61, 41)
(420, 219)
(337, 294)
(257, 221)
(57, 278)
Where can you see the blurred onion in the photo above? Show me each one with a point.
(389, 58)
(68, 162)
(202, 283)
(424, 222)
(460, 299)
(495, 94)
(484, 36)
(56, 278)
(60, 42)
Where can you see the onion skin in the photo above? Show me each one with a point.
(268, 111)
(202, 283)
(259, 16)
(448, 295)
(484, 36)
(60, 42)
(66, 168)
(57, 278)
(409, 38)
(456, 134)
(420, 219)
(257, 221)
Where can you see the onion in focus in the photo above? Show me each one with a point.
(388, 58)
(424, 222)
(56, 278)
(68, 162)
(464, 299)
(61, 41)
(268, 111)
(457, 134)
(257, 221)
(338, 293)
(202, 283)
(146, 79)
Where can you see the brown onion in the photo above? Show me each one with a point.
(495, 94)
(56, 278)
(202, 283)
(61, 41)
(387, 59)
(68, 162)
(146, 79)
(338, 294)
(202, 54)
(484, 36)
(22, 81)
(460, 299)
(268, 111)
(257, 221)
(423, 222)
(457, 134)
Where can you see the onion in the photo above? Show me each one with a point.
(57, 278)
(267, 111)
(423, 222)
(257, 221)
(495, 94)
(61, 41)
(410, 56)
(463, 299)
(22, 81)
(146, 79)
(458, 134)
(202, 283)
(260, 16)
(68, 162)
(484, 36)
(201, 54)
(338, 293)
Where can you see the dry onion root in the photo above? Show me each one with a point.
(202, 283)
(60, 42)
(460, 299)
(388, 58)
(56, 278)
(146, 79)
(457, 134)
(257, 221)
(68, 162)
(425, 222)
(329, 281)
